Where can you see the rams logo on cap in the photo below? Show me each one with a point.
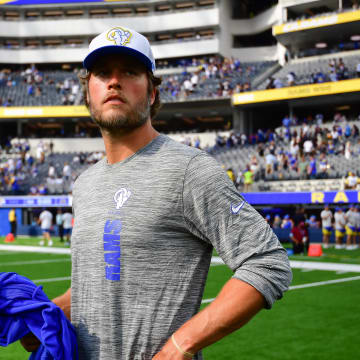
(119, 36)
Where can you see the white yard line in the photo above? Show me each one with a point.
(303, 286)
(52, 280)
(34, 262)
(308, 265)
(35, 249)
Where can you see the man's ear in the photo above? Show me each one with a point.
(152, 96)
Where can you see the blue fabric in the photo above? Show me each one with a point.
(25, 308)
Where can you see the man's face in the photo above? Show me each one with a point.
(118, 93)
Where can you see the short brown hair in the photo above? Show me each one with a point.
(154, 83)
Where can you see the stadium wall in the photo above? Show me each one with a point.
(67, 54)
(91, 27)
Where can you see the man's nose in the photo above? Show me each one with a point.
(115, 80)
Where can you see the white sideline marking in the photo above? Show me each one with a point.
(295, 287)
(35, 249)
(309, 265)
(31, 262)
(52, 280)
(320, 283)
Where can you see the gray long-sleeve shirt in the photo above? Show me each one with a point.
(142, 244)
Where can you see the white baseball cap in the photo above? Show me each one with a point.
(120, 40)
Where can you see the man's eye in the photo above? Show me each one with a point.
(101, 73)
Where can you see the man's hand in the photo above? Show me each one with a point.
(30, 342)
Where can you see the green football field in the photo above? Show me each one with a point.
(318, 318)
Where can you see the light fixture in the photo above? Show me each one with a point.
(355, 37)
(321, 45)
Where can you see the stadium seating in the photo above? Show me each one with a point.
(306, 67)
(52, 94)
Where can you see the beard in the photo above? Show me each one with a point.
(116, 120)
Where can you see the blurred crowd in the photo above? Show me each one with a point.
(299, 148)
(227, 76)
(40, 171)
(337, 70)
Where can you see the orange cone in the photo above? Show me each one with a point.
(315, 250)
(9, 237)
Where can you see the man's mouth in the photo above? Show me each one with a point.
(114, 99)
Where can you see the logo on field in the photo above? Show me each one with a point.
(121, 197)
(235, 209)
(119, 36)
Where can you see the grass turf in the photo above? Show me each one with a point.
(311, 323)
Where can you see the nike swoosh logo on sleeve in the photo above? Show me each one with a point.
(235, 209)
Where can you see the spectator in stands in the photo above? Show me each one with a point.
(271, 162)
(291, 78)
(248, 179)
(326, 222)
(45, 221)
(312, 170)
(299, 236)
(231, 174)
(323, 167)
(340, 224)
(303, 167)
(351, 181)
(67, 171)
(308, 147)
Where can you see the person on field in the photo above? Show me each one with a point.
(326, 223)
(45, 222)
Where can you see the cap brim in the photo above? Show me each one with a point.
(91, 58)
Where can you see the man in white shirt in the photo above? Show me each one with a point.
(351, 228)
(340, 223)
(67, 225)
(308, 146)
(326, 219)
(45, 221)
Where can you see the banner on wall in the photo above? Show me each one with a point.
(296, 92)
(318, 197)
(254, 198)
(316, 22)
(29, 112)
(35, 201)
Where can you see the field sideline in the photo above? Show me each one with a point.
(318, 318)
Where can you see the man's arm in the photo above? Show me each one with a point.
(30, 342)
(64, 303)
(235, 305)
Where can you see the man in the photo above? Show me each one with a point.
(351, 227)
(147, 218)
(340, 223)
(326, 221)
(67, 223)
(13, 222)
(299, 236)
(45, 221)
